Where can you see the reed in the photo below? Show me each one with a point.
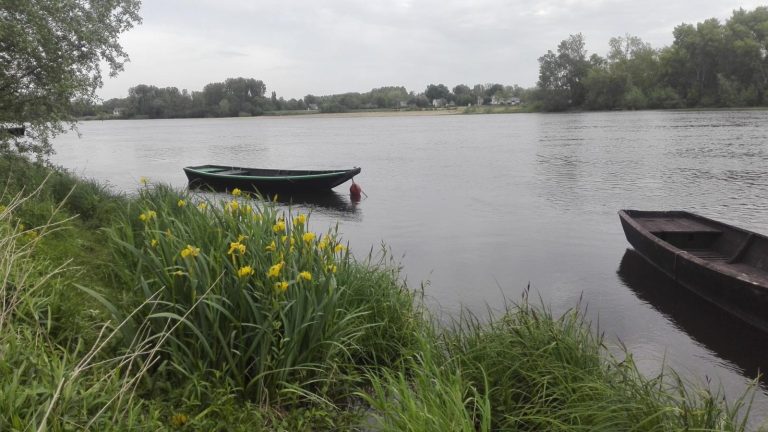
(554, 373)
(47, 384)
(288, 307)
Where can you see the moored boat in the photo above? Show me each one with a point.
(723, 264)
(220, 177)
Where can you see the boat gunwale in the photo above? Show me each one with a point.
(724, 268)
(330, 174)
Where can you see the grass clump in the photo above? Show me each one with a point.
(280, 312)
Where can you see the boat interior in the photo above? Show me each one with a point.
(237, 171)
(709, 240)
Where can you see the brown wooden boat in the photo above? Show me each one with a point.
(724, 264)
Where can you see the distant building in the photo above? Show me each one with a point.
(499, 100)
(439, 103)
(117, 111)
(312, 107)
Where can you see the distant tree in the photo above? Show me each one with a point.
(744, 66)
(463, 95)
(51, 53)
(492, 89)
(439, 91)
(561, 75)
(692, 62)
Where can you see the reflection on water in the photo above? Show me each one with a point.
(328, 203)
(704, 322)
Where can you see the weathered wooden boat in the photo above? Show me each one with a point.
(220, 177)
(723, 264)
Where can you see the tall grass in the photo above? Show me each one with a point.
(547, 373)
(287, 309)
(531, 371)
(46, 384)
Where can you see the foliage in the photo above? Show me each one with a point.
(429, 393)
(708, 65)
(276, 308)
(540, 372)
(51, 53)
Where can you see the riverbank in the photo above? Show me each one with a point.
(178, 311)
(485, 109)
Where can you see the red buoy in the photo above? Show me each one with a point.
(355, 191)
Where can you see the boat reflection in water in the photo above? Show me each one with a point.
(328, 202)
(727, 336)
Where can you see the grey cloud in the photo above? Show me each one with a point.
(331, 46)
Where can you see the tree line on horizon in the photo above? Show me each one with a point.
(707, 65)
(247, 97)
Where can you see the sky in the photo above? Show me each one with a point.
(325, 47)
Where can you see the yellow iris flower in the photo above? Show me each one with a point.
(245, 271)
(236, 247)
(274, 271)
(279, 226)
(190, 251)
(181, 203)
(281, 286)
(308, 237)
(236, 192)
(305, 275)
(299, 220)
(147, 216)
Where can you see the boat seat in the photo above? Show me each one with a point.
(676, 225)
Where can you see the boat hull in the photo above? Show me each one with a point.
(265, 181)
(721, 263)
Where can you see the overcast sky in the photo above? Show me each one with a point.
(334, 46)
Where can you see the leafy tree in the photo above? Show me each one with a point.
(463, 95)
(745, 62)
(51, 53)
(561, 75)
(691, 63)
(439, 91)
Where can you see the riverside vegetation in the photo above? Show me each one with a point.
(169, 310)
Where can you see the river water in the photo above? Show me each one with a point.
(478, 207)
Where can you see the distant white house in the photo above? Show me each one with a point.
(439, 103)
(498, 100)
(312, 107)
(117, 111)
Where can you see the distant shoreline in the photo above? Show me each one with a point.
(493, 109)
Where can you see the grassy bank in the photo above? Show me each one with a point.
(170, 310)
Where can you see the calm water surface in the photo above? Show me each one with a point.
(478, 207)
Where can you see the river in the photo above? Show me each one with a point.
(477, 207)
